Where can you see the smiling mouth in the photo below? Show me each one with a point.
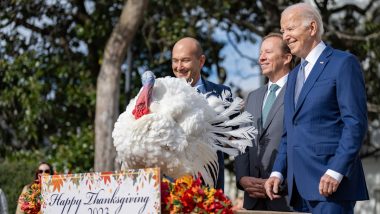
(291, 44)
(184, 72)
(180, 74)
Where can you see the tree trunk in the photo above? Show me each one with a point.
(107, 92)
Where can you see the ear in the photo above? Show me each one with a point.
(288, 58)
(313, 28)
(202, 60)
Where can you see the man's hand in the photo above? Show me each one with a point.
(272, 186)
(328, 185)
(253, 186)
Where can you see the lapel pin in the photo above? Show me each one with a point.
(321, 62)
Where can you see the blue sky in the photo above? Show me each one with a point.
(240, 71)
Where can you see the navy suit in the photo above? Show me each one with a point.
(326, 128)
(218, 89)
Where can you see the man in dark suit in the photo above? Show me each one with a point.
(325, 121)
(266, 105)
(187, 62)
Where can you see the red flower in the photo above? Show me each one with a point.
(30, 200)
(187, 195)
(165, 192)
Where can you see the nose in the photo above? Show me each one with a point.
(285, 36)
(262, 57)
(179, 65)
(176, 65)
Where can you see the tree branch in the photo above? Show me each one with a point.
(370, 154)
(353, 7)
(34, 28)
(234, 46)
(373, 108)
(341, 35)
(81, 16)
(246, 24)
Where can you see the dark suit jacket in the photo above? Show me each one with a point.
(217, 89)
(258, 159)
(326, 128)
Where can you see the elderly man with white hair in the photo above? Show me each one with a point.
(325, 121)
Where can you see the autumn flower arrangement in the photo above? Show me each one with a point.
(30, 200)
(188, 195)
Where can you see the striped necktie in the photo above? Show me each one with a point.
(300, 81)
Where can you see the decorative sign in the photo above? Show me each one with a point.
(131, 191)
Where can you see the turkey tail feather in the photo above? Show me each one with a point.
(204, 160)
(234, 108)
(243, 118)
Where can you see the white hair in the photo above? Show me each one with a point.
(308, 14)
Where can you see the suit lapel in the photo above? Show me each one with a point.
(209, 87)
(257, 108)
(260, 103)
(313, 76)
(206, 85)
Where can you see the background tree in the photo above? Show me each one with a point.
(108, 84)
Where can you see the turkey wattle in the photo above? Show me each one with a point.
(171, 126)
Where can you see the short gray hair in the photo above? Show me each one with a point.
(309, 14)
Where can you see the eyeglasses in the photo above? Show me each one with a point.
(44, 171)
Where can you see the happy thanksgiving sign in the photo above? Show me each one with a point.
(132, 191)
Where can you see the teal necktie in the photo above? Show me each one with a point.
(269, 102)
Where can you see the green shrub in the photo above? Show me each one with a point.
(15, 174)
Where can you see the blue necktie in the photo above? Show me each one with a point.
(300, 81)
(269, 102)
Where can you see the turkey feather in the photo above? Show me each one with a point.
(182, 131)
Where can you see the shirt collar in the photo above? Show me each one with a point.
(314, 54)
(199, 82)
(281, 82)
(200, 86)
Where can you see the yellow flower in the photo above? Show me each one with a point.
(187, 180)
(188, 195)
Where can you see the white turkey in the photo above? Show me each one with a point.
(171, 126)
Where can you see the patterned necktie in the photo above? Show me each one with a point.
(269, 102)
(300, 81)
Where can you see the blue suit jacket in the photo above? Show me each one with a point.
(217, 89)
(326, 128)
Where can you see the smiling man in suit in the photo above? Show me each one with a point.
(187, 62)
(266, 105)
(325, 121)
